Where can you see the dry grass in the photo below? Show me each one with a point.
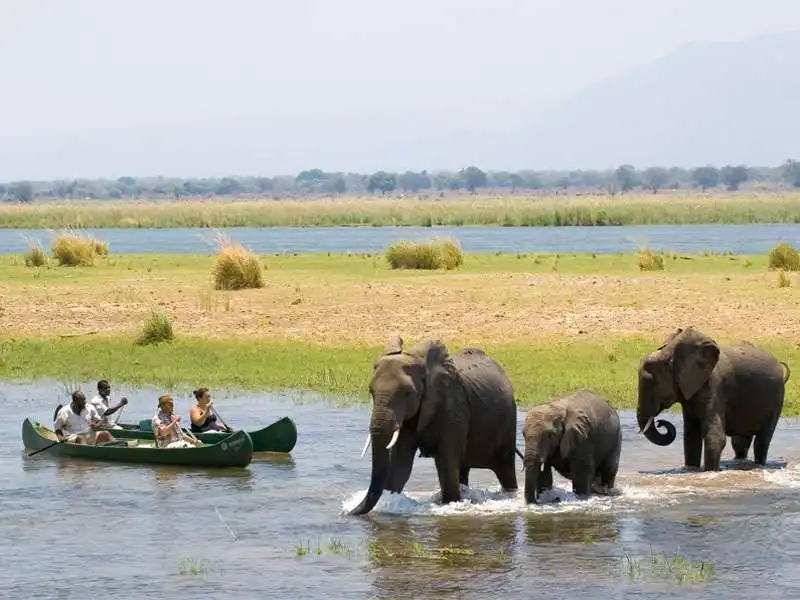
(784, 280)
(648, 261)
(236, 268)
(36, 256)
(785, 257)
(431, 254)
(358, 300)
(73, 250)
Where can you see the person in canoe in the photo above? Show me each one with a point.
(202, 414)
(101, 404)
(167, 426)
(77, 422)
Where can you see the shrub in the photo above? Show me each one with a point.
(649, 261)
(157, 328)
(72, 250)
(35, 256)
(236, 268)
(784, 256)
(783, 279)
(430, 254)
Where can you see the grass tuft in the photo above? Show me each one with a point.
(157, 328)
(72, 250)
(784, 280)
(236, 268)
(35, 257)
(431, 254)
(784, 256)
(648, 261)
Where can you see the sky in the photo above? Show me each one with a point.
(95, 65)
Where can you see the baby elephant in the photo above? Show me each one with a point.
(580, 436)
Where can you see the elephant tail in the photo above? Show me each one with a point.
(518, 453)
(788, 371)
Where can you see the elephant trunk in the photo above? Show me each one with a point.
(532, 472)
(646, 417)
(383, 435)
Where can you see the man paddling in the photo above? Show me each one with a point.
(101, 404)
(76, 422)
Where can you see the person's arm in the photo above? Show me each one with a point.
(198, 415)
(58, 426)
(112, 409)
(162, 430)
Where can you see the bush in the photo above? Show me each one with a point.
(72, 250)
(35, 256)
(783, 279)
(157, 328)
(784, 256)
(649, 261)
(236, 268)
(430, 254)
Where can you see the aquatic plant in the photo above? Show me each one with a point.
(676, 568)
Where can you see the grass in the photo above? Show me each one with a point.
(236, 268)
(73, 250)
(675, 568)
(555, 322)
(156, 329)
(784, 256)
(431, 254)
(521, 210)
(35, 257)
(648, 261)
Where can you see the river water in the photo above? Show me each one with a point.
(79, 529)
(739, 239)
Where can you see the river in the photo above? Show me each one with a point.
(79, 529)
(739, 239)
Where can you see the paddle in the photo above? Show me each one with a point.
(224, 424)
(190, 434)
(55, 414)
(57, 443)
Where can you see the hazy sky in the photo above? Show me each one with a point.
(72, 65)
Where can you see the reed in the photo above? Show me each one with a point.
(74, 250)
(505, 210)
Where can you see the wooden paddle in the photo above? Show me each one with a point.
(57, 443)
(224, 424)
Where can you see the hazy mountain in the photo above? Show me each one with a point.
(705, 103)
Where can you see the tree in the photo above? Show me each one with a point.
(383, 181)
(733, 177)
(626, 177)
(414, 182)
(264, 184)
(706, 177)
(655, 178)
(22, 191)
(473, 178)
(790, 172)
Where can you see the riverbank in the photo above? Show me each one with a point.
(555, 322)
(635, 209)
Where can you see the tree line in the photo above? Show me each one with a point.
(625, 178)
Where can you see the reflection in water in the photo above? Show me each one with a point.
(146, 521)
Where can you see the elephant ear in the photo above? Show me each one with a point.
(694, 361)
(440, 377)
(394, 345)
(576, 430)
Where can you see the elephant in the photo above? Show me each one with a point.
(578, 435)
(736, 390)
(459, 409)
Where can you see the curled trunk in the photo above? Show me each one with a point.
(649, 425)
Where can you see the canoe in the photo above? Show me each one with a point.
(236, 450)
(280, 436)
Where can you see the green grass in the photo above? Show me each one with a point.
(675, 568)
(428, 255)
(538, 370)
(599, 210)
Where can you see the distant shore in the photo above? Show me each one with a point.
(465, 210)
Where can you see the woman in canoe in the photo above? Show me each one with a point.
(202, 414)
(167, 426)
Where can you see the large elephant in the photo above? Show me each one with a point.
(734, 391)
(579, 436)
(458, 409)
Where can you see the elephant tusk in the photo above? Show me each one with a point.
(393, 441)
(366, 445)
(647, 425)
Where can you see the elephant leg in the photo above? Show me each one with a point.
(448, 471)
(583, 474)
(762, 441)
(714, 440)
(692, 438)
(608, 470)
(741, 445)
(463, 476)
(506, 472)
(402, 461)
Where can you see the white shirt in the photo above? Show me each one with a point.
(70, 423)
(100, 404)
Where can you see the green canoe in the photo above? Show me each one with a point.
(280, 436)
(236, 450)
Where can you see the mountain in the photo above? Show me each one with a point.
(719, 103)
(704, 103)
